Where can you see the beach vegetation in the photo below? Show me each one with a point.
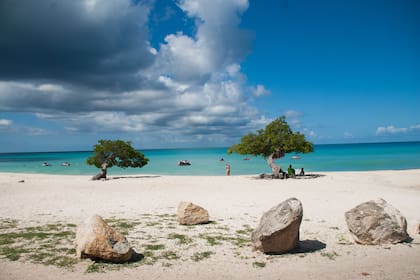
(330, 255)
(170, 255)
(182, 239)
(273, 143)
(154, 247)
(199, 256)
(259, 264)
(109, 153)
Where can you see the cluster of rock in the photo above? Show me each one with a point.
(372, 222)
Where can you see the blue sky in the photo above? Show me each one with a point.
(201, 73)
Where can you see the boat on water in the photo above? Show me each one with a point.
(184, 162)
(296, 157)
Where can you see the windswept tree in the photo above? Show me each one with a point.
(273, 143)
(109, 153)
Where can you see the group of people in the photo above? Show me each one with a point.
(291, 172)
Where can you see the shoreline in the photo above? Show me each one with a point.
(235, 205)
(134, 175)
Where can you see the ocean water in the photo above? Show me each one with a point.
(337, 157)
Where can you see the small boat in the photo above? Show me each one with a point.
(184, 163)
(247, 158)
(296, 157)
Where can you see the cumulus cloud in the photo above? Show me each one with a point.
(89, 65)
(384, 130)
(294, 119)
(97, 43)
(260, 90)
(5, 122)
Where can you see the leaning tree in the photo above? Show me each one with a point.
(109, 153)
(272, 143)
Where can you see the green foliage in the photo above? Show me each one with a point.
(277, 138)
(118, 153)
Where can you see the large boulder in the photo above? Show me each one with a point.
(278, 230)
(97, 240)
(376, 222)
(192, 214)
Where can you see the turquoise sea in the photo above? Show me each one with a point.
(337, 157)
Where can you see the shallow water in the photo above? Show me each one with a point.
(338, 157)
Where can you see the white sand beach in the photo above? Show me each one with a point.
(235, 205)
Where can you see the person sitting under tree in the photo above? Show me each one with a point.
(291, 172)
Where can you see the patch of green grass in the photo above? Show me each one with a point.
(259, 264)
(149, 258)
(124, 226)
(170, 255)
(212, 240)
(152, 224)
(154, 247)
(199, 256)
(241, 241)
(330, 255)
(61, 261)
(95, 268)
(182, 239)
(12, 253)
(50, 244)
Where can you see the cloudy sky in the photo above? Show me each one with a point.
(202, 73)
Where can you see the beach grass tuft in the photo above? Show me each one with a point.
(199, 256)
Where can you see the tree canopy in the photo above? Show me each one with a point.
(116, 153)
(273, 142)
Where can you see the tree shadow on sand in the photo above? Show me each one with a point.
(133, 177)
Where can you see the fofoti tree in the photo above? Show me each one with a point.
(109, 153)
(273, 142)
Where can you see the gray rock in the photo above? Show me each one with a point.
(278, 230)
(97, 240)
(192, 214)
(376, 222)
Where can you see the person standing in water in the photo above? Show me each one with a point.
(227, 169)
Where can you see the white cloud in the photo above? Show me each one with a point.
(383, 130)
(348, 134)
(309, 132)
(190, 87)
(293, 114)
(260, 90)
(5, 122)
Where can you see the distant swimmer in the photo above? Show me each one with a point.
(65, 164)
(46, 164)
(247, 158)
(222, 159)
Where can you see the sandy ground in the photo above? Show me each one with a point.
(234, 203)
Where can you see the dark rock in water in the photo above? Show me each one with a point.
(278, 231)
(376, 222)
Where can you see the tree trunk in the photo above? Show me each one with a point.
(274, 167)
(102, 174)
